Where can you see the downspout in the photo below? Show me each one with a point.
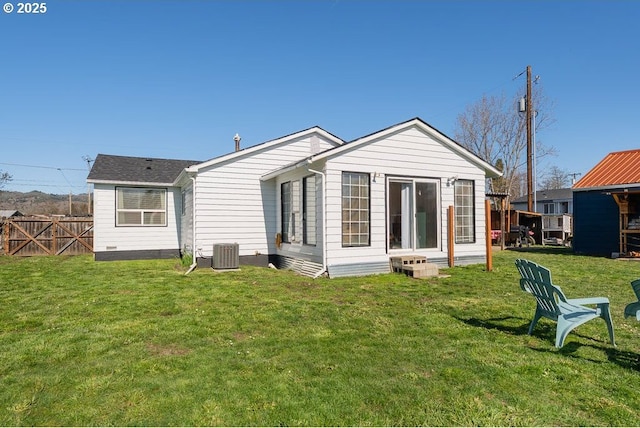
(324, 220)
(194, 263)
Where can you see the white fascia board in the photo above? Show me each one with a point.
(490, 170)
(276, 172)
(266, 145)
(184, 175)
(630, 186)
(131, 183)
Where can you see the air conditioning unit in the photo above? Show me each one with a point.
(226, 256)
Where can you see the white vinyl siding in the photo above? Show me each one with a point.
(235, 206)
(109, 237)
(412, 154)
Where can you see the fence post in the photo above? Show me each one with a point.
(5, 237)
(487, 230)
(450, 234)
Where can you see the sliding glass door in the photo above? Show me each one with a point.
(413, 214)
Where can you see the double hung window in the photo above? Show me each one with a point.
(141, 206)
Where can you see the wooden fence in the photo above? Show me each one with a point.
(31, 236)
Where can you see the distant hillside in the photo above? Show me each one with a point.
(38, 203)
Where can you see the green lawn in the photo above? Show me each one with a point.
(140, 343)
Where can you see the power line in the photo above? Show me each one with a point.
(65, 177)
(13, 184)
(42, 167)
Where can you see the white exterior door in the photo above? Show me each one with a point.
(413, 207)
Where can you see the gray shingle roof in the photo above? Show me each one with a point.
(108, 168)
(550, 194)
(10, 213)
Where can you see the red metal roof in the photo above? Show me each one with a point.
(615, 169)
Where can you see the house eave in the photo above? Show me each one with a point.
(490, 170)
(276, 172)
(635, 186)
(266, 145)
(131, 183)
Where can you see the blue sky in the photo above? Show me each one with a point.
(178, 79)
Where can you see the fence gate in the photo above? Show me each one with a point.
(32, 236)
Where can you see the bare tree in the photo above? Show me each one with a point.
(5, 177)
(555, 178)
(496, 134)
(493, 129)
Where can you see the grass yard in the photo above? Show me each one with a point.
(140, 343)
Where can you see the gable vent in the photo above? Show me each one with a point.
(314, 145)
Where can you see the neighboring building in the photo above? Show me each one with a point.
(10, 213)
(552, 201)
(5, 214)
(607, 207)
(556, 207)
(307, 201)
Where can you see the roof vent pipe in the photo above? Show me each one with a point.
(237, 139)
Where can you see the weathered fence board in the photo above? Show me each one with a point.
(31, 236)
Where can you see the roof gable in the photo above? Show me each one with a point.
(135, 170)
(10, 213)
(268, 144)
(616, 169)
(489, 169)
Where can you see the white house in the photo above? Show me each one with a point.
(307, 201)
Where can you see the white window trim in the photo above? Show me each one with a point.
(472, 224)
(142, 212)
(309, 213)
(351, 243)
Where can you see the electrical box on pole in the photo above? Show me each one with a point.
(522, 105)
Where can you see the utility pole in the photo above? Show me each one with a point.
(529, 115)
(573, 177)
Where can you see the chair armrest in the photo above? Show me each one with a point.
(589, 301)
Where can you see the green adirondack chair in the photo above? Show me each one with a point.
(633, 309)
(551, 302)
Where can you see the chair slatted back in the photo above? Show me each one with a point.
(536, 280)
(635, 285)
